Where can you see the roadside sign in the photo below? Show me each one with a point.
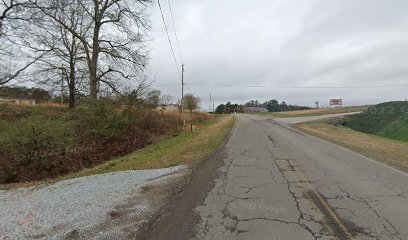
(336, 102)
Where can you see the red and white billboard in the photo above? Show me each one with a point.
(336, 102)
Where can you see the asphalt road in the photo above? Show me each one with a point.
(278, 183)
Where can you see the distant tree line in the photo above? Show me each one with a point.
(229, 108)
(149, 99)
(272, 106)
(38, 94)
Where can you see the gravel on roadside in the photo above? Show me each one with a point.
(72, 207)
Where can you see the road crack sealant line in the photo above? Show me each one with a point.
(301, 214)
(394, 233)
(330, 219)
(317, 195)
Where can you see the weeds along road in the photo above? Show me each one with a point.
(278, 183)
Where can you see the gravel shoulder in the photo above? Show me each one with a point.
(108, 206)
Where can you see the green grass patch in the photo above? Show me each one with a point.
(185, 149)
(388, 119)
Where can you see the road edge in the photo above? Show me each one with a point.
(176, 218)
(349, 150)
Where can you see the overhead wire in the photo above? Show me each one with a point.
(282, 87)
(295, 87)
(175, 32)
(167, 85)
(168, 37)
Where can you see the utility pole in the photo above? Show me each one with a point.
(62, 85)
(210, 110)
(182, 86)
(181, 120)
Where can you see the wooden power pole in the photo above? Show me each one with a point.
(181, 120)
(62, 85)
(210, 110)
(182, 87)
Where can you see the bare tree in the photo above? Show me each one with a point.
(113, 43)
(166, 99)
(191, 102)
(153, 98)
(8, 11)
(14, 61)
(66, 62)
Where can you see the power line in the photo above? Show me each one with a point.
(288, 87)
(175, 32)
(166, 85)
(168, 37)
(295, 87)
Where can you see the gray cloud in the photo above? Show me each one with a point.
(286, 43)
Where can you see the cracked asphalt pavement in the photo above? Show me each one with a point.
(278, 183)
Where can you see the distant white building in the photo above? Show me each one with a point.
(170, 107)
(18, 101)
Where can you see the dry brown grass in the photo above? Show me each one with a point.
(192, 117)
(314, 112)
(185, 149)
(390, 152)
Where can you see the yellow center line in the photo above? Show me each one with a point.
(322, 201)
(325, 223)
(325, 204)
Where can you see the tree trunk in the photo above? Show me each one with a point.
(71, 84)
(93, 65)
(93, 79)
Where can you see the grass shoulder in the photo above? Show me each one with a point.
(312, 112)
(388, 151)
(186, 149)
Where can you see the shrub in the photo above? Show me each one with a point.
(37, 146)
(47, 142)
(97, 121)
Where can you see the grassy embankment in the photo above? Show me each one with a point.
(312, 112)
(185, 149)
(45, 144)
(42, 143)
(376, 133)
(389, 119)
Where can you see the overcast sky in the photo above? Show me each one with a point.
(283, 45)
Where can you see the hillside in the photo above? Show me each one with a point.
(389, 119)
(43, 142)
